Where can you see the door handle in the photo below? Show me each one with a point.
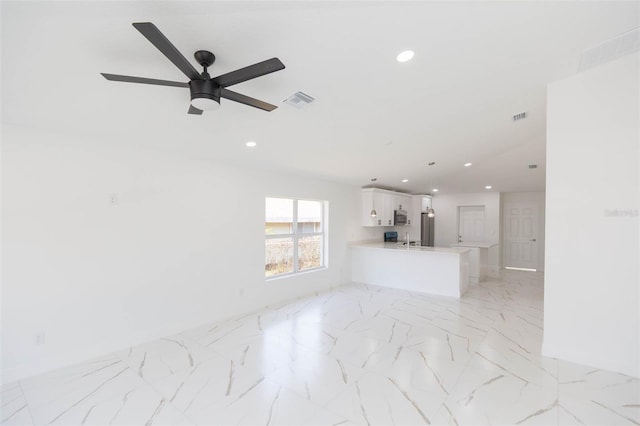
(533, 239)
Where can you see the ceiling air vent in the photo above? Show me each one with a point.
(519, 116)
(299, 99)
(611, 49)
(533, 166)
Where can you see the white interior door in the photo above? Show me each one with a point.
(471, 224)
(521, 235)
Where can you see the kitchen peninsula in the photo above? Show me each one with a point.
(434, 270)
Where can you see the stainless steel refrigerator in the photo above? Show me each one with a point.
(426, 230)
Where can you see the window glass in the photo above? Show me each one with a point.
(309, 216)
(278, 256)
(294, 235)
(278, 216)
(310, 252)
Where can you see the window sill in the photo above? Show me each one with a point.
(295, 274)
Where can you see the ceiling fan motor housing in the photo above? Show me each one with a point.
(204, 89)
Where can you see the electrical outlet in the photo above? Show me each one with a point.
(113, 199)
(39, 339)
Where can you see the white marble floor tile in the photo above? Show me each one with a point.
(349, 311)
(14, 409)
(471, 314)
(462, 342)
(97, 392)
(358, 354)
(451, 348)
(515, 331)
(410, 315)
(356, 349)
(413, 368)
(460, 327)
(592, 396)
(379, 400)
(225, 333)
(217, 380)
(266, 403)
(319, 337)
(316, 377)
(496, 397)
(166, 356)
(139, 406)
(325, 417)
(382, 327)
(264, 353)
(97, 379)
(533, 368)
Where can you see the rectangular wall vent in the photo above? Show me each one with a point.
(519, 116)
(533, 166)
(611, 49)
(299, 99)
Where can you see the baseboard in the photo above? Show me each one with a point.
(584, 358)
(78, 355)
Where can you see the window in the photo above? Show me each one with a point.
(294, 236)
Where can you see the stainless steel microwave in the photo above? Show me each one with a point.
(400, 217)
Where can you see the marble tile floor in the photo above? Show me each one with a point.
(358, 355)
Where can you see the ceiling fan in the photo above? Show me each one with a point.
(205, 91)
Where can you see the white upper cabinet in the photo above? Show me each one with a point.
(375, 200)
(367, 206)
(384, 203)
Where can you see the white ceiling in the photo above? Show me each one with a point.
(476, 64)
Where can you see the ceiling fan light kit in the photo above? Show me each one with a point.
(205, 95)
(206, 92)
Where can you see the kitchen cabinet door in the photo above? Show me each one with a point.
(367, 206)
(387, 201)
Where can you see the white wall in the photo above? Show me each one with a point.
(591, 278)
(446, 208)
(537, 198)
(184, 240)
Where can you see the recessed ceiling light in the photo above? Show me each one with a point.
(405, 180)
(435, 189)
(405, 56)
(467, 164)
(251, 144)
(487, 187)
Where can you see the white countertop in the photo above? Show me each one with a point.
(400, 247)
(474, 244)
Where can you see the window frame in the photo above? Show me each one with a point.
(295, 236)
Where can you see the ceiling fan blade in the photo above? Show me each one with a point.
(194, 110)
(153, 34)
(130, 79)
(247, 73)
(237, 97)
